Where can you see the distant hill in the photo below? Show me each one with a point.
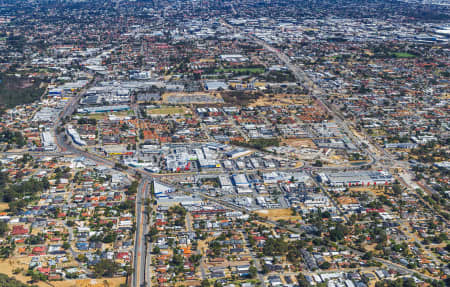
(18, 90)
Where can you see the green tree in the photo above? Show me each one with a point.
(302, 282)
(253, 271)
(396, 188)
(105, 268)
(338, 233)
(3, 228)
(367, 255)
(275, 247)
(132, 189)
(156, 250)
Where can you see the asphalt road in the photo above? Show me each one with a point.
(140, 252)
(198, 251)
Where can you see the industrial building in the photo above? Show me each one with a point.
(161, 190)
(177, 200)
(46, 115)
(207, 158)
(103, 109)
(356, 178)
(215, 85)
(73, 133)
(240, 180)
(238, 152)
(48, 141)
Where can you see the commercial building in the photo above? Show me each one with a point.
(177, 200)
(48, 141)
(103, 109)
(73, 133)
(240, 180)
(356, 178)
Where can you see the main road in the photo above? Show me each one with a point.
(140, 251)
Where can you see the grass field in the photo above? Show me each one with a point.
(241, 70)
(98, 116)
(167, 111)
(403, 55)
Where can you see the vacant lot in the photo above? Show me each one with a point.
(100, 116)
(183, 98)
(277, 214)
(299, 143)
(167, 111)
(241, 70)
(281, 100)
(240, 97)
(370, 189)
(102, 282)
(3, 206)
(8, 265)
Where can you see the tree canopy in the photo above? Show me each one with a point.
(105, 268)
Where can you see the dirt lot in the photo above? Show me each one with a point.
(263, 223)
(281, 100)
(3, 206)
(111, 282)
(7, 266)
(304, 143)
(277, 214)
(168, 111)
(372, 190)
(202, 245)
(183, 98)
(370, 247)
(347, 200)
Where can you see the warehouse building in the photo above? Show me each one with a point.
(73, 133)
(103, 109)
(356, 178)
(240, 180)
(161, 190)
(177, 200)
(48, 141)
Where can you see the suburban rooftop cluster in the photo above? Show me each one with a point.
(225, 143)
